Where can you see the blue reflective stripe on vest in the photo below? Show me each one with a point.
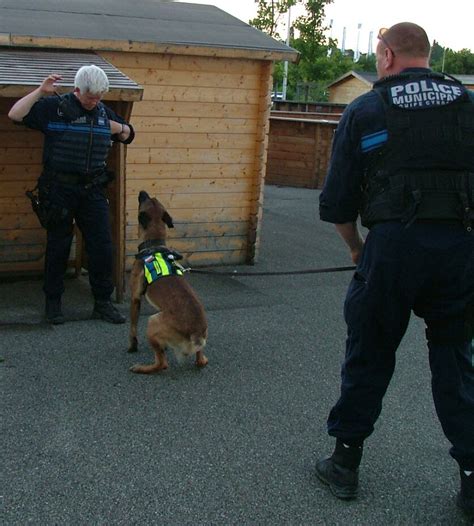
(59, 126)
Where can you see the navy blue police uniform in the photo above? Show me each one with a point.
(403, 160)
(72, 187)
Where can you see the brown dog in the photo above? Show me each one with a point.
(181, 323)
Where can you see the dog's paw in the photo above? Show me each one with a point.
(148, 369)
(202, 361)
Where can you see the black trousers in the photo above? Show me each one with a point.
(89, 208)
(429, 270)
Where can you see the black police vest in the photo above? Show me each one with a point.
(79, 141)
(426, 169)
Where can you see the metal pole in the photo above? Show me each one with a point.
(357, 53)
(285, 65)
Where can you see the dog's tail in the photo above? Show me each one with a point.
(191, 347)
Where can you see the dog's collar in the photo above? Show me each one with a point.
(151, 243)
(156, 246)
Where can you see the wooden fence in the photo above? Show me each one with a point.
(299, 149)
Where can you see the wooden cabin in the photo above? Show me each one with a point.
(354, 83)
(350, 85)
(195, 83)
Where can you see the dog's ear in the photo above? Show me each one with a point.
(144, 219)
(167, 219)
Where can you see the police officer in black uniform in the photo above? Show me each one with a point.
(403, 160)
(79, 130)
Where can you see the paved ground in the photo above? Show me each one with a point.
(85, 442)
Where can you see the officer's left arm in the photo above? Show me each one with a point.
(121, 131)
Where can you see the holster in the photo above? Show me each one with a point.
(38, 209)
(48, 214)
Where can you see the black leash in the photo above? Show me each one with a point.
(277, 273)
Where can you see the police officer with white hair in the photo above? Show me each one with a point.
(79, 130)
(403, 160)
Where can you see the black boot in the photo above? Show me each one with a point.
(104, 310)
(340, 471)
(466, 496)
(53, 311)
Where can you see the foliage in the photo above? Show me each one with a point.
(270, 15)
(454, 62)
(365, 63)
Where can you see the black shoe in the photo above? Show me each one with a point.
(343, 482)
(340, 471)
(53, 311)
(465, 498)
(104, 310)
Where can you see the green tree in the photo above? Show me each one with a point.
(366, 63)
(270, 14)
(460, 62)
(454, 62)
(310, 42)
(436, 54)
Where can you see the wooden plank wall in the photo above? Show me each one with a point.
(196, 149)
(299, 151)
(22, 239)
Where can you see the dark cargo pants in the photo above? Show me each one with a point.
(427, 269)
(90, 210)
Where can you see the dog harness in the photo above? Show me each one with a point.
(160, 264)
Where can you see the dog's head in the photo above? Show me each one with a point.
(152, 218)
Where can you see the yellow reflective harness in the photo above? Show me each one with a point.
(159, 265)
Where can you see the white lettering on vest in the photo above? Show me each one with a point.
(423, 93)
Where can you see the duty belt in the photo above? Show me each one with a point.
(89, 179)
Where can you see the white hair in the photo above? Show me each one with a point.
(91, 79)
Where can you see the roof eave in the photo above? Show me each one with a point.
(115, 94)
(131, 46)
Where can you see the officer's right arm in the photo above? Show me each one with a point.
(22, 107)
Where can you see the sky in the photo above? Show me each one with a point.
(449, 24)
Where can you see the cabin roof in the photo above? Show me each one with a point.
(145, 25)
(20, 70)
(363, 76)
